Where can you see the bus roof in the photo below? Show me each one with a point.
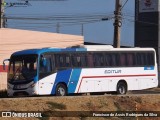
(43, 50)
(81, 48)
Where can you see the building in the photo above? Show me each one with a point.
(147, 25)
(12, 40)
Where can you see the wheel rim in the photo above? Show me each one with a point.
(61, 91)
(121, 90)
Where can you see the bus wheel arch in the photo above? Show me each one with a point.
(122, 87)
(61, 89)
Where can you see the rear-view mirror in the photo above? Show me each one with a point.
(4, 66)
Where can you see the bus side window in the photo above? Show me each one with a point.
(146, 61)
(115, 60)
(90, 60)
(150, 59)
(141, 61)
(79, 60)
(68, 63)
(122, 59)
(56, 61)
(101, 58)
(61, 60)
(75, 60)
(138, 59)
(108, 59)
(83, 60)
(45, 66)
(95, 59)
(48, 66)
(130, 59)
(53, 62)
(98, 60)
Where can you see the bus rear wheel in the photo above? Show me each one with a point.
(121, 88)
(61, 90)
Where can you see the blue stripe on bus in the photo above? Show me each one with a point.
(81, 49)
(62, 76)
(36, 79)
(69, 49)
(149, 68)
(74, 80)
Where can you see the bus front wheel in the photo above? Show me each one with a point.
(61, 90)
(121, 88)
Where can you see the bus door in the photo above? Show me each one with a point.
(45, 70)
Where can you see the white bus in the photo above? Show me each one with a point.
(87, 69)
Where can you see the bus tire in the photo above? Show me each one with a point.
(121, 88)
(61, 90)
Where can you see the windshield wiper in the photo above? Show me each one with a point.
(18, 69)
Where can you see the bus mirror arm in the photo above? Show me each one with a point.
(4, 66)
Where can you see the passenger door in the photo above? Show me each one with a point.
(45, 78)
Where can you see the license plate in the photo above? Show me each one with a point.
(17, 87)
(20, 86)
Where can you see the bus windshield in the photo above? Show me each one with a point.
(22, 68)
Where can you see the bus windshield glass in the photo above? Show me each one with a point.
(22, 68)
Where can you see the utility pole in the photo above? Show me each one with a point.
(3, 19)
(117, 24)
(82, 32)
(1, 13)
(57, 27)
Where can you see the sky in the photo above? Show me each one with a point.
(74, 17)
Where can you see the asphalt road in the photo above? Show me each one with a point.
(152, 91)
(147, 91)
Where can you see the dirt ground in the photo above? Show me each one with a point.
(133, 106)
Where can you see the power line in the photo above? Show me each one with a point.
(124, 4)
(43, 0)
(51, 25)
(62, 19)
(61, 15)
(131, 20)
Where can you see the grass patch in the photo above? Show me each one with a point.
(3, 93)
(53, 106)
(51, 112)
(116, 104)
(91, 106)
(138, 100)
